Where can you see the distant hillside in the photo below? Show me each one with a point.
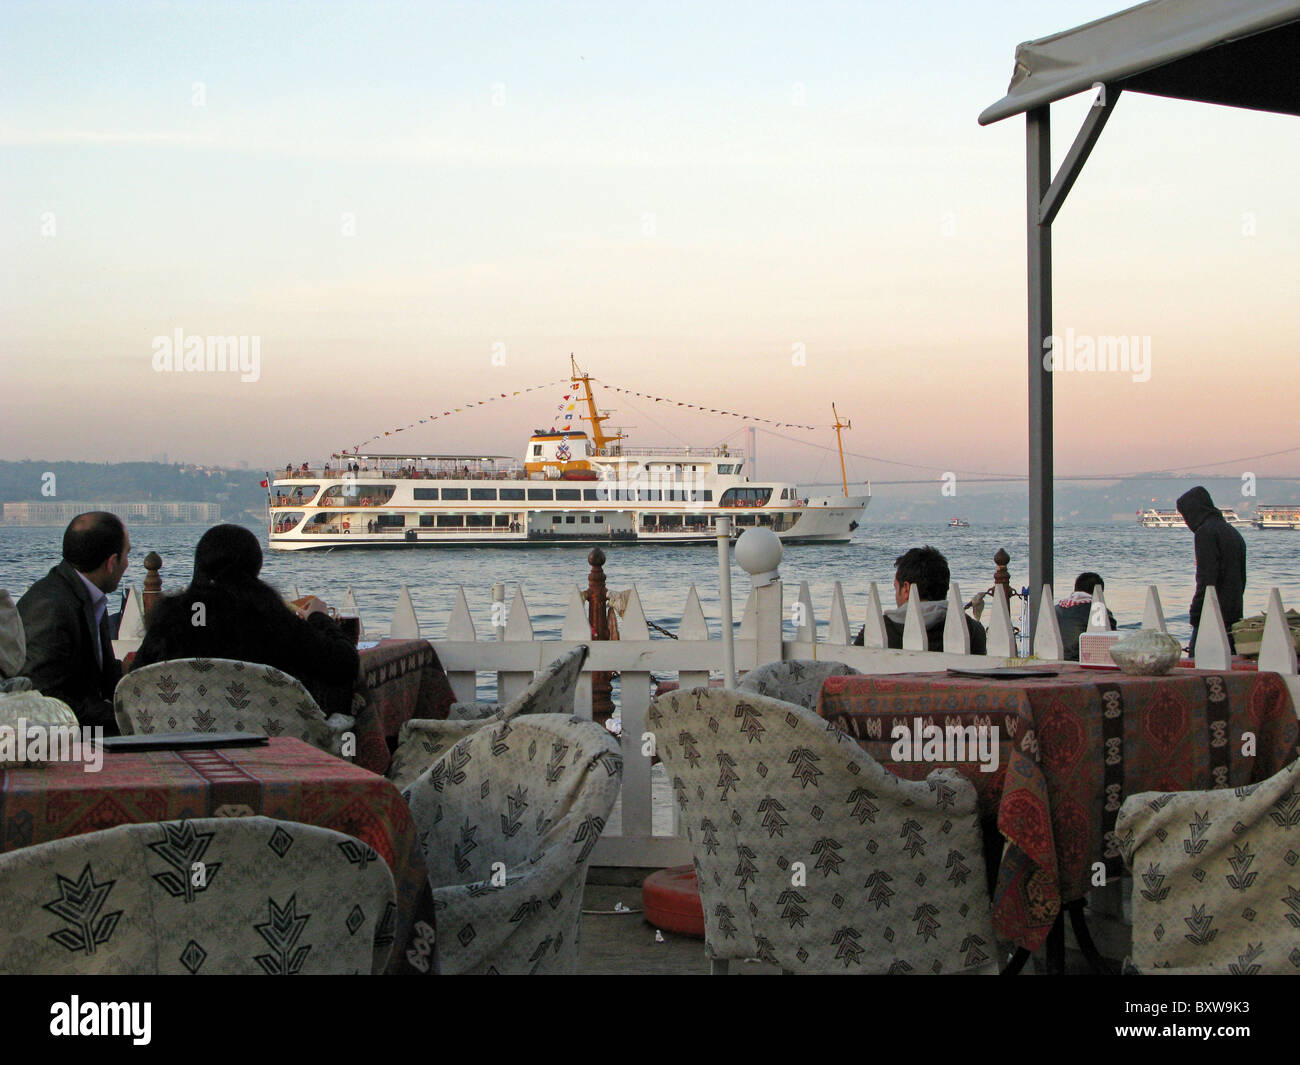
(114, 482)
(1075, 501)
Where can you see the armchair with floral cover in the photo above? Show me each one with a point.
(798, 680)
(422, 741)
(241, 895)
(222, 695)
(1216, 878)
(812, 856)
(508, 819)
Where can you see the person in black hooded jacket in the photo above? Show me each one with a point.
(1220, 559)
(227, 612)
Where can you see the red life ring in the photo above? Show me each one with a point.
(671, 900)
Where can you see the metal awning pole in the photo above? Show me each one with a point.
(1038, 158)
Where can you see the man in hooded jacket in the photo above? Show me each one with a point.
(1220, 559)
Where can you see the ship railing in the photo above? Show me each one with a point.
(442, 473)
(615, 451)
(511, 652)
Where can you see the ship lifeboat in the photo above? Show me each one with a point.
(578, 475)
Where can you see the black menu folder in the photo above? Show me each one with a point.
(184, 741)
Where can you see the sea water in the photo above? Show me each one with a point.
(1127, 556)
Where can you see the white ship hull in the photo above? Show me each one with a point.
(338, 512)
(1286, 518)
(1171, 519)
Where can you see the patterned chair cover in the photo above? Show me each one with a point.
(273, 897)
(797, 681)
(892, 877)
(422, 741)
(508, 819)
(1216, 885)
(223, 695)
(34, 709)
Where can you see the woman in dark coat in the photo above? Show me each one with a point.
(227, 612)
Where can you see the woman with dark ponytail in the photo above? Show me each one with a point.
(229, 612)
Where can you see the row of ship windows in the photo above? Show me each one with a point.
(549, 495)
(459, 521)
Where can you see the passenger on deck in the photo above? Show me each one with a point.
(1072, 612)
(928, 570)
(243, 618)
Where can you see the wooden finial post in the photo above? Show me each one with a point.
(1001, 575)
(152, 580)
(602, 705)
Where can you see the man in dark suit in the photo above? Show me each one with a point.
(65, 616)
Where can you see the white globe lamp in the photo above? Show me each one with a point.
(758, 553)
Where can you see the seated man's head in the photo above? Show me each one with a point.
(927, 569)
(1089, 582)
(227, 554)
(96, 544)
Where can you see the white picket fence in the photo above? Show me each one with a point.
(515, 655)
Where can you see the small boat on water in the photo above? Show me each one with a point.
(570, 488)
(1171, 519)
(1275, 517)
(958, 523)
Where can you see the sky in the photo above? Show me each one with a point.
(757, 207)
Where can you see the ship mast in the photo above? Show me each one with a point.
(599, 439)
(840, 444)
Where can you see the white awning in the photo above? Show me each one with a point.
(1242, 53)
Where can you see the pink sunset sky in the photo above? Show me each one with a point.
(684, 197)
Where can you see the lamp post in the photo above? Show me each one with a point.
(723, 527)
(758, 553)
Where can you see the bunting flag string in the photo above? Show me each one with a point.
(566, 414)
(709, 410)
(474, 405)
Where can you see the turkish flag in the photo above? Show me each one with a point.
(265, 484)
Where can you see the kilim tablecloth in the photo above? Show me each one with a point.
(1070, 749)
(286, 779)
(402, 679)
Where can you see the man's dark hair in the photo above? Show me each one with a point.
(926, 568)
(91, 538)
(1087, 582)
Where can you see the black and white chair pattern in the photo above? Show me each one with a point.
(422, 741)
(798, 680)
(812, 856)
(224, 695)
(508, 819)
(1216, 878)
(228, 895)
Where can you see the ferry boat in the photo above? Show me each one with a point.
(569, 488)
(1171, 519)
(1273, 517)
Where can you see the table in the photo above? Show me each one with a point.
(1070, 749)
(286, 779)
(401, 679)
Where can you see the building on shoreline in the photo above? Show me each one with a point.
(48, 512)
